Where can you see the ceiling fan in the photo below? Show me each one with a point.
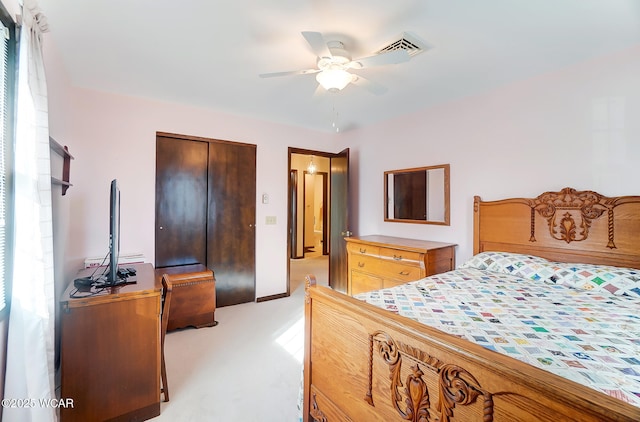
(334, 62)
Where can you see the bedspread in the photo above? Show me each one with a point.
(592, 338)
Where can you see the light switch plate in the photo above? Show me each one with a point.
(270, 220)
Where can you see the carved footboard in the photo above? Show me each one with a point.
(412, 399)
(366, 364)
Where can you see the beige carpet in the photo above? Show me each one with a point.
(248, 367)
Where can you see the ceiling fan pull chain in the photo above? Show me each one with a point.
(335, 116)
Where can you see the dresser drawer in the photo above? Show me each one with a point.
(408, 257)
(387, 283)
(364, 263)
(363, 249)
(362, 282)
(400, 272)
(386, 268)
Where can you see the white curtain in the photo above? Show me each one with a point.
(30, 347)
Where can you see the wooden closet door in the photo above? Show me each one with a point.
(231, 221)
(181, 201)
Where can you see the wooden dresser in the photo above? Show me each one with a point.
(377, 262)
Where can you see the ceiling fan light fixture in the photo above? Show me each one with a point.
(334, 79)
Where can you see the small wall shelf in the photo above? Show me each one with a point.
(62, 151)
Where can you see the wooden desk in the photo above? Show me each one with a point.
(110, 351)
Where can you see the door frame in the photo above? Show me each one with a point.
(292, 209)
(290, 223)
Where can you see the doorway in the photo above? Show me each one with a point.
(309, 198)
(318, 212)
(309, 205)
(315, 230)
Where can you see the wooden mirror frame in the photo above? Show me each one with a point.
(446, 219)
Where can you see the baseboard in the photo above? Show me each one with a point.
(272, 297)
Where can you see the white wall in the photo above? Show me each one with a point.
(579, 127)
(13, 7)
(113, 136)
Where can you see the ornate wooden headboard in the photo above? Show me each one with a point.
(569, 226)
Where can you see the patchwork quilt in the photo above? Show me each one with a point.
(590, 336)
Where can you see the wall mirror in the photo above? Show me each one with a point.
(417, 195)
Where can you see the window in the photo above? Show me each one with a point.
(7, 94)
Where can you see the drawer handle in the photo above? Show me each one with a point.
(361, 264)
(363, 250)
(397, 257)
(404, 273)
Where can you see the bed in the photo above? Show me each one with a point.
(366, 363)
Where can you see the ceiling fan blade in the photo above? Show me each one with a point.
(292, 72)
(317, 43)
(392, 57)
(372, 87)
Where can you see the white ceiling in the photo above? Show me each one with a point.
(209, 53)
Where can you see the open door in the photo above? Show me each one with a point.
(339, 220)
(293, 212)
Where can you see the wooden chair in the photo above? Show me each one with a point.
(167, 287)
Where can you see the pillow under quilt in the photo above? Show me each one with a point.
(615, 280)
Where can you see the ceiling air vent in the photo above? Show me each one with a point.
(406, 42)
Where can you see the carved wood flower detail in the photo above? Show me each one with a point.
(411, 400)
(562, 209)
